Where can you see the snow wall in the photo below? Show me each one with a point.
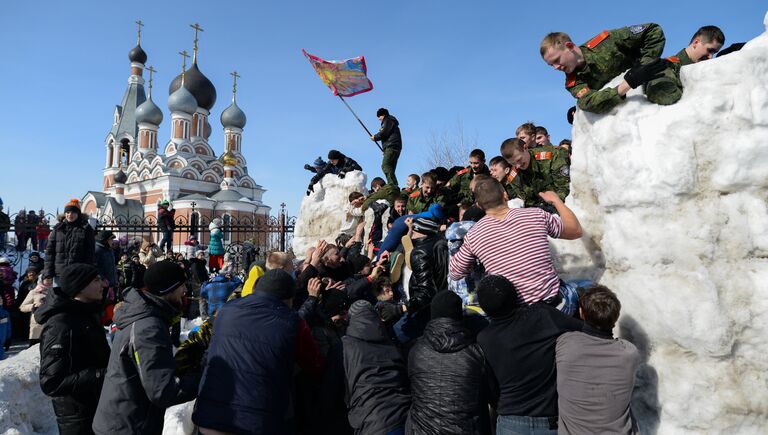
(322, 211)
(673, 203)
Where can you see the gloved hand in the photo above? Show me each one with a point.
(310, 189)
(342, 175)
(570, 115)
(641, 74)
(389, 313)
(309, 168)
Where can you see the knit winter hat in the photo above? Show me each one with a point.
(335, 155)
(104, 236)
(164, 277)
(319, 162)
(360, 306)
(426, 226)
(382, 112)
(446, 304)
(334, 302)
(72, 206)
(5, 260)
(165, 203)
(75, 277)
(496, 295)
(277, 282)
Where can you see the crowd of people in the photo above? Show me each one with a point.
(437, 309)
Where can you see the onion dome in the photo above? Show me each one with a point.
(233, 116)
(120, 177)
(149, 112)
(228, 159)
(199, 85)
(137, 54)
(182, 100)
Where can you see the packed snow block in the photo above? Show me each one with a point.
(322, 211)
(672, 200)
(24, 409)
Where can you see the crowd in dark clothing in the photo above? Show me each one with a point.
(426, 328)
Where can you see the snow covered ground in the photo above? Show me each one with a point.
(673, 203)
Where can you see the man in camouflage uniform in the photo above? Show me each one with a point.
(459, 184)
(591, 66)
(380, 190)
(505, 174)
(538, 170)
(420, 200)
(705, 43)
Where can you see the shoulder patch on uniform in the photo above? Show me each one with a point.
(673, 59)
(415, 194)
(570, 80)
(543, 155)
(512, 175)
(638, 29)
(582, 92)
(463, 171)
(594, 42)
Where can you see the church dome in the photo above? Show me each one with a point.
(120, 177)
(149, 112)
(228, 159)
(233, 116)
(137, 54)
(182, 100)
(199, 85)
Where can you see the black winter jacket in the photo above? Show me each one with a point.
(70, 243)
(345, 165)
(446, 370)
(141, 379)
(73, 358)
(429, 263)
(389, 134)
(377, 381)
(105, 262)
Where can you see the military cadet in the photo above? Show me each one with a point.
(381, 190)
(538, 170)
(412, 183)
(391, 141)
(527, 134)
(505, 174)
(421, 199)
(542, 137)
(459, 184)
(590, 66)
(705, 43)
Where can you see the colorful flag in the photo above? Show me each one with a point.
(344, 77)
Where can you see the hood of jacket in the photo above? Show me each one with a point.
(447, 335)
(56, 302)
(366, 326)
(139, 305)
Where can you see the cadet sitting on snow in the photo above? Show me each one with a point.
(590, 66)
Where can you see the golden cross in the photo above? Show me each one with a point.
(184, 57)
(235, 76)
(140, 24)
(151, 70)
(194, 47)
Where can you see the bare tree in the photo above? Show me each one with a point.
(450, 147)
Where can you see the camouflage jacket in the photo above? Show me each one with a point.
(681, 58)
(189, 356)
(606, 56)
(512, 185)
(459, 184)
(548, 170)
(418, 203)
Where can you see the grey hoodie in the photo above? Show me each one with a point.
(141, 377)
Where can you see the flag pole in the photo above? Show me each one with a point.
(358, 120)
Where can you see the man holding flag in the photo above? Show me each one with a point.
(391, 142)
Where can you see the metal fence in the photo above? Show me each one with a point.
(245, 238)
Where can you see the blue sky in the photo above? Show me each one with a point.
(433, 63)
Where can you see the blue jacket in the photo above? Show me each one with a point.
(217, 290)
(248, 368)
